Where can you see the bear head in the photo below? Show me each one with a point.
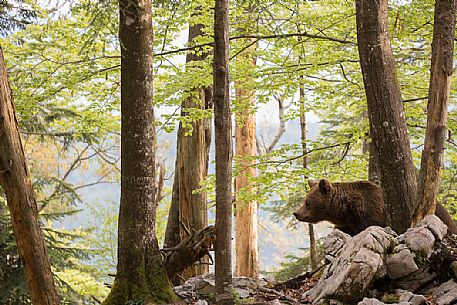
(316, 203)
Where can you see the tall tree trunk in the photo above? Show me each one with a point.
(191, 168)
(246, 237)
(438, 99)
(172, 237)
(140, 275)
(21, 201)
(312, 238)
(386, 113)
(223, 132)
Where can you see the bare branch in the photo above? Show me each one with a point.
(281, 128)
(260, 37)
(300, 155)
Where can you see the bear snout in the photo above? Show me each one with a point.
(299, 216)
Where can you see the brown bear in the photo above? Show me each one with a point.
(351, 206)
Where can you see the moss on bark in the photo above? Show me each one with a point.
(151, 287)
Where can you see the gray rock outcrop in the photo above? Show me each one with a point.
(355, 263)
(350, 275)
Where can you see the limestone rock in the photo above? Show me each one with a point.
(334, 242)
(350, 275)
(400, 263)
(435, 225)
(445, 294)
(420, 239)
(402, 296)
(410, 298)
(417, 279)
(370, 301)
(204, 287)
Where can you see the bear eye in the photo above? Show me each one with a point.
(307, 203)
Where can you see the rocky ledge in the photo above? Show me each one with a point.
(375, 267)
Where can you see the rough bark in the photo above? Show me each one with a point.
(312, 238)
(191, 168)
(368, 149)
(193, 164)
(172, 237)
(386, 113)
(223, 133)
(373, 164)
(141, 276)
(246, 236)
(21, 201)
(192, 249)
(438, 100)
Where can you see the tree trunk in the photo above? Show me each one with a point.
(246, 237)
(373, 164)
(438, 99)
(21, 201)
(312, 238)
(172, 237)
(223, 132)
(191, 168)
(369, 150)
(386, 113)
(141, 276)
(190, 250)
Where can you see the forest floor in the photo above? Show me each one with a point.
(291, 291)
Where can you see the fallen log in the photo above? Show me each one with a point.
(189, 251)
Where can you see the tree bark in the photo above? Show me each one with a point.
(21, 201)
(386, 113)
(223, 132)
(191, 168)
(368, 149)
(312, 238)
(438, 100)
(246, 236)
(140, 275)
(172, 237)
(192, 249)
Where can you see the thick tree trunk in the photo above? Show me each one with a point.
(246, 237)
(140, 275)
(193, 163)
(438, 100)
(386, 113)
(21, 201)
(312, 238)
(189, 211)
(223, 132)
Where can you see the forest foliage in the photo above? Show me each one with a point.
(64, 68)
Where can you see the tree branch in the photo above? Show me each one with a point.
(282, 126)
(260, 37)
(300, 155)
(190, 250)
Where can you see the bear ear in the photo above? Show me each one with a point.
(325, 186)
(312, 182)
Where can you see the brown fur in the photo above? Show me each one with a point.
(351, 206)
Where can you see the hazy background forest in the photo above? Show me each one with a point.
(63, 62)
